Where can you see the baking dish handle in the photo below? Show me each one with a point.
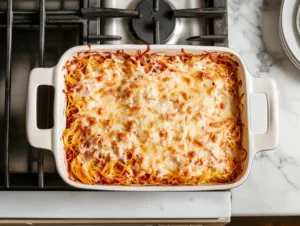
(39, 138)
(269, 140)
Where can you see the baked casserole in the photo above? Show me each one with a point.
(153, 119)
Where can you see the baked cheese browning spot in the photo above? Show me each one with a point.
(153, 119)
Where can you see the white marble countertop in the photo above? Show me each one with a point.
(273, 187)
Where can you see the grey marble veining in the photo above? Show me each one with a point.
(273, 187)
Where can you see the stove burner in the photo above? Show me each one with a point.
(156, 22)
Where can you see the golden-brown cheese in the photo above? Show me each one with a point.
(173, 122)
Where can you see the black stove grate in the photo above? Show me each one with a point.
(40, 18)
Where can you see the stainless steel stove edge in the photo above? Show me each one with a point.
(136, 222)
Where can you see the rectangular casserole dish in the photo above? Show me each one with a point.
(51, 139)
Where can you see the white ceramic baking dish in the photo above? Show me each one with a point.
(51, 139)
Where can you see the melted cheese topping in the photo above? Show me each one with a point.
(153, 119)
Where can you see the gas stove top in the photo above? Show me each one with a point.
(36, 33)
(167, 22)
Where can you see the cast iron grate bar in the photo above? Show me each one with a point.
(156, 34)
(156, 5)
(32, 18)
(36, 12)
(41, 64)
(215, 38)
(65, 20)
(104, 37)
(210, 22)
(200, 12)
(95, 13)
(85, 25)
(8, 91)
